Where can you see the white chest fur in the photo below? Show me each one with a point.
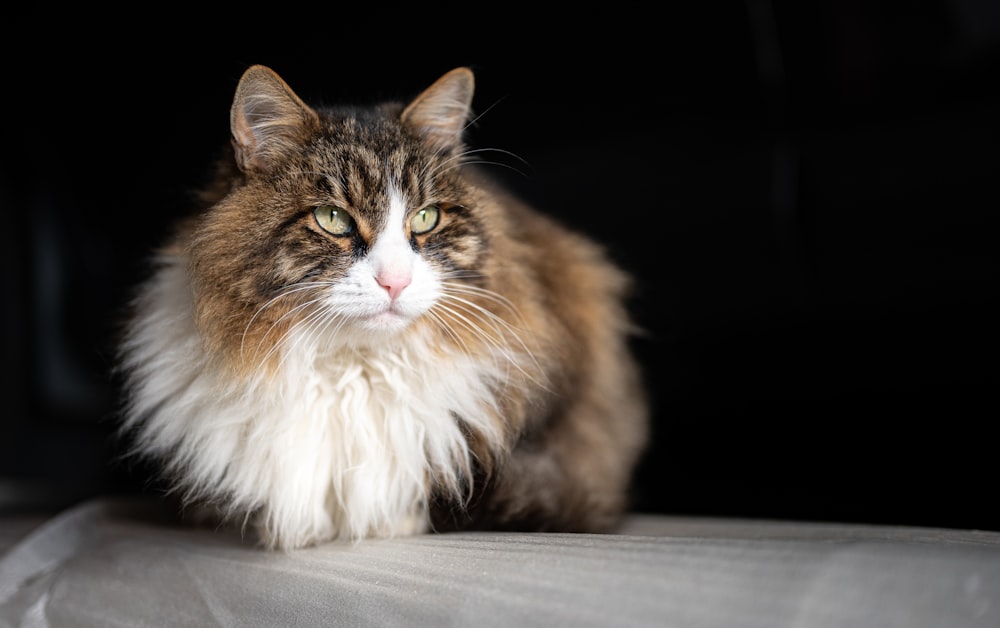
(341, 444)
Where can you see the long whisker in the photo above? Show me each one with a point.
(276, 323)
(476, 119)
(448, 315)
(448, 330)
(460, 160)
(280, 341)
(486, 162)
(288, 291)
(306, 325)
(490, 295)
(467, 313)
(453, 289)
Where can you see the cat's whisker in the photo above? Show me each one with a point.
(499, 326)
(486, 162)
(320, 329)
(280, 341)
(302, 332)
(502, 151)
(295, 288)
(470, 324)
(460, 160)
(497, 322)
(315, 327)
(286, 292)
(446, 326)
(274, 325)
(473, 121)
(299, 333)
(495, 319)
(490, 295)
(448, 317)
(428, 172)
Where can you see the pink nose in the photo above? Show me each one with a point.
(394, 283)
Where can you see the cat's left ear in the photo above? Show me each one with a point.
(268, 120)
(440, 112)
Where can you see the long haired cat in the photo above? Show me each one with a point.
(361, 336)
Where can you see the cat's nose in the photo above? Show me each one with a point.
(394, 282)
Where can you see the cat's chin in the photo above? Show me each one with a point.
(388, 321)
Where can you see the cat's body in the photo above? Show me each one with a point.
(361, 336)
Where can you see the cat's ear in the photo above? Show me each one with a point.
(440, 112)
(267, 119)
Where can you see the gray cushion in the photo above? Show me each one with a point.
(111, 562)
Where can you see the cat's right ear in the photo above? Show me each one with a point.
(440, 112)
(267, 119)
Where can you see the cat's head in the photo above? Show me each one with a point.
(350, 223)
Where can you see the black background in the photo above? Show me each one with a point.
(805, 191)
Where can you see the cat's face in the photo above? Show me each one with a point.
(365, 244)
(350, 226)
(386, 250)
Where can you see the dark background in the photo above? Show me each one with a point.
(805, 191)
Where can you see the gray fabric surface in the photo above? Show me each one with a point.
(109, 563)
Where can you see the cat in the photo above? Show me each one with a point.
(358, 334)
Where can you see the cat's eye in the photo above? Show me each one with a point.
(425, 219)
(334, 220)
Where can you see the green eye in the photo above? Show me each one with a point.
(425, 219)
(334, 220)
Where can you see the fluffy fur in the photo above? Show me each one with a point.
(359, 335)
